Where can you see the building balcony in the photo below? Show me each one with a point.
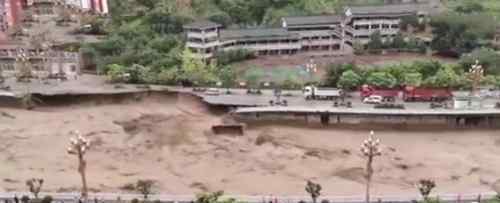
(320, 42)
(375, 22)
(368, 32)
(201, 45)
(202, 35)
(263, 47)
(203, 56)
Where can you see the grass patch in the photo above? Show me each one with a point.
(278, 74)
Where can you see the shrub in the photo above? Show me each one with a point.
(359, 48)
(25, 199)
(47, 199)
(116, 73)
(290, 84)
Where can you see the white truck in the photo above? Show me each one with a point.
(313, 92)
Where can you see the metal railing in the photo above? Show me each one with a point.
(118, 197)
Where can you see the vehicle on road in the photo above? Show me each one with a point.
(411, 94)
(212, 92)
(387, 94)
(315, 93)
(373, 99)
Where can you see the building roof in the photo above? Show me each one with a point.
(202, 24)
(390, 10)
(257, 33)
(292, 21)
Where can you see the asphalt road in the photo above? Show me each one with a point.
(239, 97)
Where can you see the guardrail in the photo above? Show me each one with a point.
(119, 197)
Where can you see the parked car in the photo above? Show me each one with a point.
(373, 99)
(212, 92)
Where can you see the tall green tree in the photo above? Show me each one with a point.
(349, 80)
(413, 79)
(488, 58)
(444, 78)
(375, 42)
(459, 34)
(381, 79)
(195, 70)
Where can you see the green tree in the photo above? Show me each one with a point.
(227, 76)
(314, 190)
(488, 58)
(195, 70)
(381, 79)
(445, 77)
(459, 34)
(407, 21)
(413, 79)
(349, 80)
(398, 42)
(375, 42)
(117, 73)
(334, 73)
(470, 7)
(358, 47)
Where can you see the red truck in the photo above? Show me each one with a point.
(411, 93)
(386, 93)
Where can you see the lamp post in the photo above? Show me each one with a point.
(78, 146)
(476, 74)
(370, 149)
(24, 69)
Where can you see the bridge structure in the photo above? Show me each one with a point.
(485, 117)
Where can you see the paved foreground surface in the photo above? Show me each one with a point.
(118, 197)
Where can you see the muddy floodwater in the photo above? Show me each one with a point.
(168, 139)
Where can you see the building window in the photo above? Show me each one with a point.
(395, 26)
(73, 68)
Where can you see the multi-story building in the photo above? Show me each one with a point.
(43, 63)
(361, 22)
(297, 35)
(10, 11)
(203, 38)
(46, 7)
(323, 35)
(98, 6)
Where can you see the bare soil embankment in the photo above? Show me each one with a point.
(167, 138)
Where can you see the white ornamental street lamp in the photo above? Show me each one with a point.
(370, 149)
(476, 74)
(78, 146)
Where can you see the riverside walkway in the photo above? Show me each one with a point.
(124, 197)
